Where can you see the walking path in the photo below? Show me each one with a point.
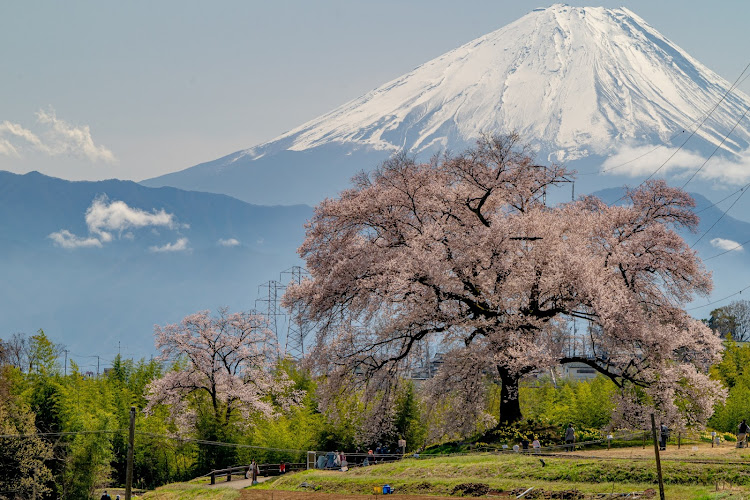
(236, 484)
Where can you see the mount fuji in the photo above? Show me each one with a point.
(579, 84)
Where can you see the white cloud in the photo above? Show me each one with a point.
(66, 239)
(180, 245)
(106, 219)
(231, 242)
(6, 148)
(16, 132)
(64, 138)
(56, 137)
(103, 217)
(644, 160)
(723, 244)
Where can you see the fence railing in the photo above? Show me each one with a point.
(357, 459)
(264, 470)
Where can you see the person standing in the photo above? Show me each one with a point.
(742, 435)
(524, 445)
(105, 496)
(664, 435)
(536, 445)
(254, 468)
(570, 438)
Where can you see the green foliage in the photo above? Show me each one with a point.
(734, 371)
(731, 370)
(23, 471)
(87, 465)
(340, 427)
(409, 424)
(192, 492)
(44, 396)
(42, 355)
(529, 430)
(519, 431)
(297, 430)
(723, 322)
(585, 404)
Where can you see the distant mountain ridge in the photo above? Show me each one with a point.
(576, 82)
(91, 298)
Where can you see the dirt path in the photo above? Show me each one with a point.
(697, 451)
(237, 484)
(305, 495)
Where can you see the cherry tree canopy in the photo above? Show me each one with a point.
(462, 251)
(229, 359)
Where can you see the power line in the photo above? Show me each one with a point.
(723, 199)
(217, 443)
(719, 300)
(719, 219)
(700, 125)
(717, 147)
(705, 117)
(739, 245)
(57, 434)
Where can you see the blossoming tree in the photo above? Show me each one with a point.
(228, 362)
(463, 252)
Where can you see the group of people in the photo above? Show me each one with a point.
(332, 460)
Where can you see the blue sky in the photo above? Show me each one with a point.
(137, 89)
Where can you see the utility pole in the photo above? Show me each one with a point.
(66, 361)
(131, 443)
(658, 462)
(97, 365)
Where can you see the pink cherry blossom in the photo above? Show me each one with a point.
(230, 360)
(462, 254)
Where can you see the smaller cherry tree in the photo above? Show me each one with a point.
(225, 372)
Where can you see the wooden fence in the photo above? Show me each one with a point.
(263, 470)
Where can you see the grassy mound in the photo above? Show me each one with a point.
(503, 473)
(187, 491)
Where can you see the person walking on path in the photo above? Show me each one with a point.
(664, 435)
(742, 435)
(570, 438)
(105, 496)
(253, 472)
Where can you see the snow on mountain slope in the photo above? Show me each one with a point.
(576, 82)
(577, 79)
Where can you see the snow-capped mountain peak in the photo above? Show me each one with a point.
(576, 80)
(578, 83)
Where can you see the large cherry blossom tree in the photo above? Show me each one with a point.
(463, 252)
(227, 361)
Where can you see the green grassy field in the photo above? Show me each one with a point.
(191, 491)
(443, 476)
(692, 472)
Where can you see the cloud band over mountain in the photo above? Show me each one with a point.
(105, 219)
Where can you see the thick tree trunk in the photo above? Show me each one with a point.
(510, 408)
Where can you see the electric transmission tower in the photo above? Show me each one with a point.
(268, 304)
(297, 329)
